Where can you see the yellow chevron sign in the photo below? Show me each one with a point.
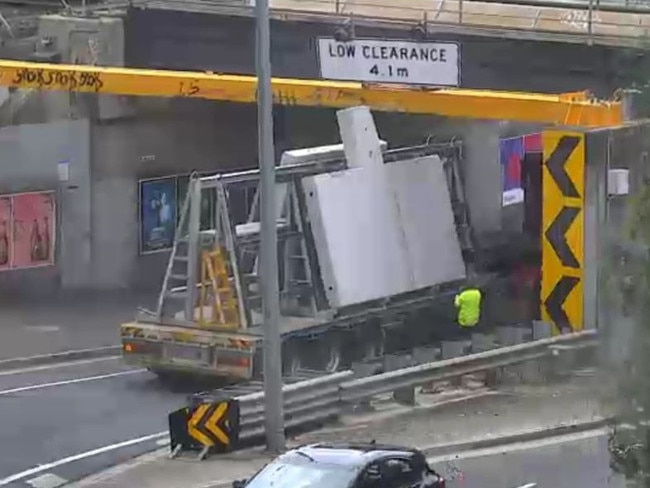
(210, 424)
(563, 184)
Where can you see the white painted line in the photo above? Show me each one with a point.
(70, 364)
(78, 457)
(47, 480)
(519, 446)
(528, 485)
(69, 382)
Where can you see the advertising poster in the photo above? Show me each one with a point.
(157, 214)
(33, 230)
(207, 202)
(5, 233)
(512, 152)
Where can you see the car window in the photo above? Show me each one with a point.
(303, 474)
(399, 473)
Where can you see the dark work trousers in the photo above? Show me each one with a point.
(456, 332)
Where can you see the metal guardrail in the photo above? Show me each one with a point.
(319, 399)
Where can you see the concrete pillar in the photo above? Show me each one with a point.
(92, 41)
(483, 176)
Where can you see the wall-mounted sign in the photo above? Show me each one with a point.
(384, 61)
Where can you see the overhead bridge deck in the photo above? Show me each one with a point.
(570, 109)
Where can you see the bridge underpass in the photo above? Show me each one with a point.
(156, 137)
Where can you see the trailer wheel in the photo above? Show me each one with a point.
(373, 342)
(292, 359)
(330, 353)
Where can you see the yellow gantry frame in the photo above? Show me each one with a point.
(570, 109)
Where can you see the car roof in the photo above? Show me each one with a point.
(352, 454)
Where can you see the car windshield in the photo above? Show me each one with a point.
(298, 473)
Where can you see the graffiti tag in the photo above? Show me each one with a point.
(188, 88)
(61, 80)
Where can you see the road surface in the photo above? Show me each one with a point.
(53, 412)
(579, 463)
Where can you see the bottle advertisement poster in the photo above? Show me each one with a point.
(27, 230)
(5, 232)
(157, 214)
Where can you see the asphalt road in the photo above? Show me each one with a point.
(580, 463)
(52, 413)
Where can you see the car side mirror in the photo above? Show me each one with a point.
(239, 483)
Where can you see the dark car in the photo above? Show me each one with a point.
(346, 466)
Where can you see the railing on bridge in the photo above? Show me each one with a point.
(608, 22)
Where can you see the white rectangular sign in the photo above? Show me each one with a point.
(382, 61)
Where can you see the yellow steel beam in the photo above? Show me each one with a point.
(574, 109)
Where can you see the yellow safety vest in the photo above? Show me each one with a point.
(468, 303)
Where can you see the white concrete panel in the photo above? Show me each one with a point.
(360, 140)
(426, 219)
(357, 237)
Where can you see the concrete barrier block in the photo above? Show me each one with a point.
(393, 362)
(508, 335)
(425, 354)
(453, 349)
(482, 342)
(541, 330)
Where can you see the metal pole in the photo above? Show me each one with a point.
(273, 401)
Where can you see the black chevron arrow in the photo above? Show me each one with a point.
(556, 165)
(556, 235)
(555, 300)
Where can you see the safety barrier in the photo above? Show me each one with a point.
(217, 423)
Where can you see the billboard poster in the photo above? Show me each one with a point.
(208, 202)
(157, 214)
(512, 152)
(5, 232)
(33, 230)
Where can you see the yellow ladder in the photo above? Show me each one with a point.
(215, 278)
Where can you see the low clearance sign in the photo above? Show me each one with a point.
(383, 61)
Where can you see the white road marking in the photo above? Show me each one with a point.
(58, 365)
(78, 457)
(47, 480)
(43, 328)
(68, 382)
(519, 446)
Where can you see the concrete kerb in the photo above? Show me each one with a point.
(520, 437)
(59, 357)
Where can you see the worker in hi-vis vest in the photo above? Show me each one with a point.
(468, 304)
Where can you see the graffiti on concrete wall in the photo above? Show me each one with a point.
(579, 19)
(27, 230)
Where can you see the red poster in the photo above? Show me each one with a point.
(33, 230)
(5, 233)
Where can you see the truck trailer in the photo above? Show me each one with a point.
(373, 244)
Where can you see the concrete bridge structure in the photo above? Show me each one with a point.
(114, 142)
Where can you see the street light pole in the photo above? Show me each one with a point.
(273, 404)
